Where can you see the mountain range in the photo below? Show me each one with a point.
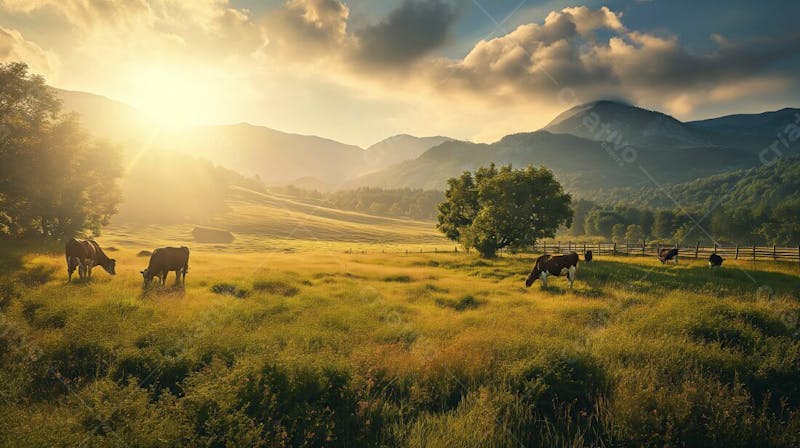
(590, 147)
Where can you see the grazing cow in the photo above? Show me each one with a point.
(557, 265)
(588, 256)
(668, 254)
(164, 260)
(84, 255)
(715, 260)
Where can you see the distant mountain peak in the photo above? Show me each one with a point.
(609, 119)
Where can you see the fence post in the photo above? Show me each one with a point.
(774, 254)
(644, 246)
(544, 245)
(715, 247)
(558, 247)
(697, 249)
(614, 250)
(798, 252)
(754, 252)
(584, 247)
(737, 252)
(658, 249)
(455, 251)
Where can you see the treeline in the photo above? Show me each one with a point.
(725, 225)
(55, 180)
(754, 206)
(396, 203)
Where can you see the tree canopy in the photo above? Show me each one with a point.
(55, 180)
(493, 208)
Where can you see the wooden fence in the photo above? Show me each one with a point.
(737, 252)
(752, 253)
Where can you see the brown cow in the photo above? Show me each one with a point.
(668, 254)
(164, 260)
(557, 265)
(84, 255)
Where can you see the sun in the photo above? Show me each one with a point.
(175, 97)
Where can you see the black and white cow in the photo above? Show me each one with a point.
(557, 265)
(668, 254)
(715, 260)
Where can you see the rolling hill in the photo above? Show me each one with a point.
(755, 188)
(582, 165)
(601, 145)
(400, 148)
(277, 157)
(598, 145)
(767, 124)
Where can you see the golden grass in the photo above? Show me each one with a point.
(443, 341)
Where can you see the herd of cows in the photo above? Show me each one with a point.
(86, 254)
(557, 265)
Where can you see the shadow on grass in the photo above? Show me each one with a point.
(719, 282)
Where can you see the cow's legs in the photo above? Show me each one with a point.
(178, 276)
(164, 278)
(571, 275)
(543, 276)
(71, 265)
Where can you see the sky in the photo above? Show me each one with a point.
(359, 71)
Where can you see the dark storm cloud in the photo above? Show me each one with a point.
(408, 33)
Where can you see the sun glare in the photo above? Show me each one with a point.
(173, 97)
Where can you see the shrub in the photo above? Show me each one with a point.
(467, 302)
(276, 287)
(229, 289)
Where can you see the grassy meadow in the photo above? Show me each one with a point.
(303, 344)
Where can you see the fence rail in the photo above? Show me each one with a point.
(747, 253)
(753, 253)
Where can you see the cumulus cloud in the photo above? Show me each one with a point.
(141, 25)
(407, 34)
(307, 29)
(536, 61)
(14, 47)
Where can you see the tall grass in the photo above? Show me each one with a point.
(323, 348)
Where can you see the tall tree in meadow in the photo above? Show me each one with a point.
(55, 180)
(492, 208)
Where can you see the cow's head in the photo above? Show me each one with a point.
(535, 273)
(147, 276)
(110, 266)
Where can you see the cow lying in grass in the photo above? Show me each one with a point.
(557, 265)
(164, 260)
(84, 255)
(668, 254)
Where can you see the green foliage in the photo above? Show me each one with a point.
(493, 209)
(54, 180)
(754, 206)
(618, 233)
(634, 233)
